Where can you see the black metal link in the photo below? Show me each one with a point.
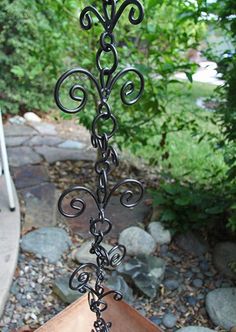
(100, 226)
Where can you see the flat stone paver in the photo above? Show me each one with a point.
(40, 205)
(18, 130)
(29, 176)
(9, 242)
(16, 140)
(44, 140)
(53, 154)
(44, 128)
(22, 155)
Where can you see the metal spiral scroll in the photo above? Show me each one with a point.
(130, 93)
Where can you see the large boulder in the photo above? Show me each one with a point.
(137, 241)
(221, 307)
(48, 242)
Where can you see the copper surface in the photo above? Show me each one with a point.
(78, 318)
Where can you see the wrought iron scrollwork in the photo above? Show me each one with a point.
(132, 193)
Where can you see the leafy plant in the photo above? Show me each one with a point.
(186, 205)
(226, 112)
(34, 49)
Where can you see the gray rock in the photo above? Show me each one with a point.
(16, 140)
(156, 320)
(146, 272)
(48, 242)
(195, 329)
(69, 144)
(191, 243)
(169, 320)
(62, 290)
(171, 284)
(159, 233)
(44, 128)
(44, 140)
(137, 241)
(40, 205)
(18, 130)
(53, 154)
(224, 255)
(221, 307)
(32, 117)
(197, 283)
(23, 155)
(82, 254)
(118, 283)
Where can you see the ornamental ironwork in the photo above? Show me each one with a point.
(107, 160)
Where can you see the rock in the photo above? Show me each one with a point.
(195, 329)
(23, 155)
(32, 117)
(48, 242)
(53, 154)
(69, 144)
(29, 176)
(233, 329)
(164, 250)
(197, 283)
(169, 320)
(146, 272)
(224, 254)
(40, 205)
(118, 283)
(44, 140)
(16, 140)
(204, 265)
(159, 233)
(156, 320)
(62, 290)
(137, 241)
(44, 128)
(191, 243)
(191, 300)
(171, 284)
(17, 120)
(82, 254)
(221, 307)
(18, 130)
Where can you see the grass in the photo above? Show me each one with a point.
(189, 158)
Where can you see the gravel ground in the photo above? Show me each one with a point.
(182, 293)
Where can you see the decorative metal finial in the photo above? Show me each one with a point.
(100, 225)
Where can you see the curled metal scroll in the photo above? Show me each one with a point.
(109, 21)
(72, 202)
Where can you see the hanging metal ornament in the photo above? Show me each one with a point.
(101, 225)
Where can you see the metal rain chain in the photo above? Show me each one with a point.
(100, 226)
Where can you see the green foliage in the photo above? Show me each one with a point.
(34, 49)
(190, 205)
(226, 111)
(158, 48)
